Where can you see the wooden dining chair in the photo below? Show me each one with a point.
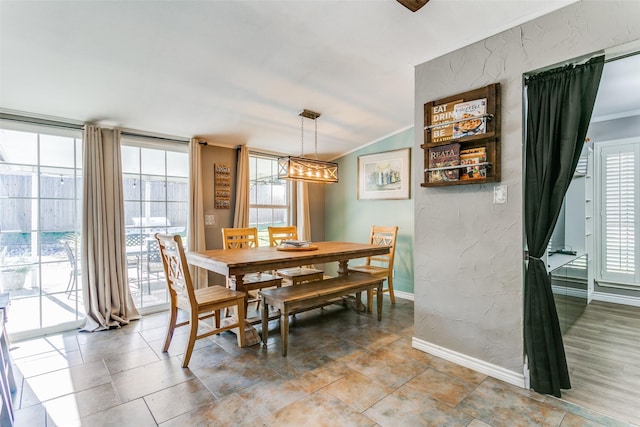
(199, 303)
(295, 275)
(380, 265)
(245, 238)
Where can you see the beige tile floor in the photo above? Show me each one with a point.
(343, 369)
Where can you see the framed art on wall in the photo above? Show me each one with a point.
(385, 175)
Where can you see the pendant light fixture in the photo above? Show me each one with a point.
(305, 169)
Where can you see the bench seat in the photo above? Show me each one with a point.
(293, 298)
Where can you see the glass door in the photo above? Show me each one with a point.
(156, 196)
(40, 188)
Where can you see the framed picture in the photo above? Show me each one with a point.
(385, 175)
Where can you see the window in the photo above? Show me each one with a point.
(617, 226)
(268, 196)
(40, 192)
(156, 199)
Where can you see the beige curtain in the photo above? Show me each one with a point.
(241, 215)
(303, 219)
(105, 286)
(195, 230)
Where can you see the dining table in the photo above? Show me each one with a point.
(237, 263)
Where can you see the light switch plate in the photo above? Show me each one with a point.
(499, 194)
(209, 220)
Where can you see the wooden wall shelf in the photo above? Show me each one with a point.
(462, 138)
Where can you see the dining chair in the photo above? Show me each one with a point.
(133, 250)
(75, 268)
(380, 265)
(295, 275)
(245, 238)
(200, 304)
(151, 263)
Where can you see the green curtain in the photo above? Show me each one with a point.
(559, 107)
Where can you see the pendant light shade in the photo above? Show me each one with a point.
(304, 169)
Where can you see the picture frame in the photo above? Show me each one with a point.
(385, 176)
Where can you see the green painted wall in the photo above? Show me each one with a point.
(350, 219)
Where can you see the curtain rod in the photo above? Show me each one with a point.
(261, 153)
(78, 126)
(626, 55)
(37, 121)
(581, 61)
(161, 138)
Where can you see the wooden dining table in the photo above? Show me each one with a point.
(239, 262)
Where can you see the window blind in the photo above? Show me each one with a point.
(619, 197)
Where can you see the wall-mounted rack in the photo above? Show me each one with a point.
(462, 138)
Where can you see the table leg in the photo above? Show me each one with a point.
(239, 283)
(284, 330)
(251, 336)
(265, 322)
(343, 268)
(379, 301)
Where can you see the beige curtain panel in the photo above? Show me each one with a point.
(303, 218)
(195, 228)
(105, 286)
(241, 214)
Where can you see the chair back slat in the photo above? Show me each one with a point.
(278, 234)
(240, 238)
(71, 256)
(176, 269)
(134, 239)
(383, 236)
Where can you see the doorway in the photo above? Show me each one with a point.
(601, 341)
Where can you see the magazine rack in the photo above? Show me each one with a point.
(465, 125)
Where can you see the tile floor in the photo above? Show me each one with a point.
(343, 369)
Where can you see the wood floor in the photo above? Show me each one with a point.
(603, 353)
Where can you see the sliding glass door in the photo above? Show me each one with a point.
(40, 188)
(156, 197)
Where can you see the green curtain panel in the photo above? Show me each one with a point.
(559, 107)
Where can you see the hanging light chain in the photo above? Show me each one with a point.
(316, 134)
(302, 136)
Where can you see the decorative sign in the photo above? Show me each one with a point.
(222, 186)
(443, 113)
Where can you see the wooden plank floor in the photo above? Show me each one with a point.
(603, 353)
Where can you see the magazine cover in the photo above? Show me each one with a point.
(445, 155)
(474, 110)
(442, 113)
(473, 156)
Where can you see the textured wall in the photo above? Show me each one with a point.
(350, 219)
(468, 251)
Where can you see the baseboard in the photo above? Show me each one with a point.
(403, 295)
(50, 330)
(570, 292)
(486, 368)
(617, 299)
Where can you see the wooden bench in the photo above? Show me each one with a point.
(293, 298)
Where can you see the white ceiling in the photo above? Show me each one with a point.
(237, 71)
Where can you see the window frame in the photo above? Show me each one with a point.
(263, 237)
(604, 277)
